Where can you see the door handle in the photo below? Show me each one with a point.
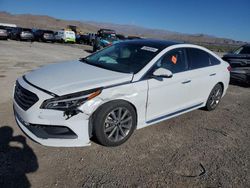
(212, 74)
(185, 82)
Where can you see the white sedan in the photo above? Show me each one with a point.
(124, 87)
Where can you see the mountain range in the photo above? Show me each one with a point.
(47, 22)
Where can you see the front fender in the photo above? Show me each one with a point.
(133, 93)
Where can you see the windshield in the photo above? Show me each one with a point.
(109, 36)
(50, 32)
(27, 30)
(123, 57)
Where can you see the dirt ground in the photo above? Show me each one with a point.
(197, 149)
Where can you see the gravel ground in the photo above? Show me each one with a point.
(197, 149)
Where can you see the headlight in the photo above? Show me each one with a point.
(70, 101)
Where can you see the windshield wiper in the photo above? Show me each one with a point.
(84, 60)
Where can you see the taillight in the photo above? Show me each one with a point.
(229, 68)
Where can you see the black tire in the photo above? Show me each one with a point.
(105, 130)
(214, 97)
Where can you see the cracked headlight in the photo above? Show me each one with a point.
(70, 101)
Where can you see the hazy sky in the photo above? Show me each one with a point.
(222, 18)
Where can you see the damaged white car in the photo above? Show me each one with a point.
(124, 87)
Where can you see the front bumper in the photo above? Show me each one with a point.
(3, 35)
(49, 38)
(70, 40)
(27, 37)
(50, 127)
(240, 74)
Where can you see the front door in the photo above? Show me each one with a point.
(169, 95)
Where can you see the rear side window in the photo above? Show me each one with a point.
(198, 58)
(213, 60)
(174, 60)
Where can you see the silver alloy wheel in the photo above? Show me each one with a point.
(215, 97)
(118, 124)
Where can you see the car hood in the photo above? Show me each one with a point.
(237, 60)
(75, 76)
(236, 56)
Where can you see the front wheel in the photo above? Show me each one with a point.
(214, 97)
(114, 123)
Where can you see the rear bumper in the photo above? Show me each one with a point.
(49, 127)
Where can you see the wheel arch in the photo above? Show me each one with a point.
(222, 85)
(96, 110)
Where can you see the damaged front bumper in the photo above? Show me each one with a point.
(50, 127)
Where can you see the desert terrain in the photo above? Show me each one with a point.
(197, 149)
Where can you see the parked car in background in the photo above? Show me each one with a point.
(8, 27)
(92, 37)
(239, 60)
(44, 35)
(82, 39)
(9, 30)
(104, 38)
(109, 94)
(19, 33)
(3, 33)
(65, 36)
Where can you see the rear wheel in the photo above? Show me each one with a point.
(114, 123)
(214, 97)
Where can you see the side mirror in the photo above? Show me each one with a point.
(163, 73)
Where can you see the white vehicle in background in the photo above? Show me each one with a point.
(109, 94)
(65, 36)
(8, 25)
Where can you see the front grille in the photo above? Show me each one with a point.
(24, 98)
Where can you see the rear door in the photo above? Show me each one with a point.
(203, 72)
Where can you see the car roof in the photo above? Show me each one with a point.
(246, 45)
(160, 44)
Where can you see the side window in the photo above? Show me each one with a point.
(198, 58)
(174, 60)
(213, 60)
